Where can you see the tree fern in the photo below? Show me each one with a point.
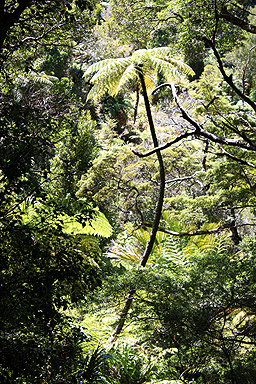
(111, 75)
(98, 226)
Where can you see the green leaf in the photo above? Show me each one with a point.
(98, 226)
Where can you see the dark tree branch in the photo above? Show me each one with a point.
(218, 229)
(136, 103)
(177, 139)
(198, 131)
(224, 14)
(228, 79)
(237, 159)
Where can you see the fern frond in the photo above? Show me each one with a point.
(98, 226)
(209, 244)
(96, 91)
(108, 77)
(128, 74)
(172, 253)
(160, 51)
(171, 68)
(111, 75)
(181, 66)
(42, 78)
(124, 254)
(111, 70)
(97, 66)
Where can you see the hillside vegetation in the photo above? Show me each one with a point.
(127, 192)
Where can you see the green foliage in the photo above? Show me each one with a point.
(73, 153)
(97, 226)
(43, 269)
(116, 108)
(96, 368)
(194, 312)
(194, 308)
(130, 367)
(113, 74)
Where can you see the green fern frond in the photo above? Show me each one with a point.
(98, 226)
(172, 253)
(128, 74)
(97, 66)
(171, 68)
(113, 69)
(111, 75)
(213, 243)
(38, 63)
(42, 78)
(108, 77)
(160, 51)
(124, 254)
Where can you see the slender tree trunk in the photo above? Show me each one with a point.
(159, 206)
(122, 318)
(136, 104)
(156, 221)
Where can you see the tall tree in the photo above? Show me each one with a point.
(112, 75)
(31, 21)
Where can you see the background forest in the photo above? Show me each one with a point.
(127, 191)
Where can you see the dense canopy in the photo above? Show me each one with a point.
(127, 192)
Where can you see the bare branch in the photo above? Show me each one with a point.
(218, 229)
(228, 79)
(237, 21)
(237, 159)
(167, 145)
(45, 33)
(182, 178)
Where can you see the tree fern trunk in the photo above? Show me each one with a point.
(136, 104)
(158, 212)
(123, 316)
(159, 206)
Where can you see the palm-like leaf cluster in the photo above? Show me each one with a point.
(111, 75)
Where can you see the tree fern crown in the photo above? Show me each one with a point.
(112, 75)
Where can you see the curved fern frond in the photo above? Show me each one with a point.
(111, 75)
(160, 52)
(128, 74)
(108, 76)
(43, 78)
(172, 254)
(111, 70)
(98, 226)
(97, 66)
(120, 253)
(171, 67)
